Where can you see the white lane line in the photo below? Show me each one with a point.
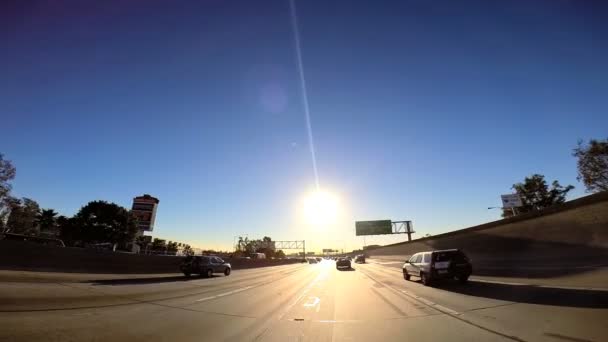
(431, 303)
(423, 300)
(573, 288)
(498, 282)
(242, 289)
(224, 294)
(444, 309)
(386, 262)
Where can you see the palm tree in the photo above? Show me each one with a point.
(47, 221)
(243, 243)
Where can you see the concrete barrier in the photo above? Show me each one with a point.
(571, 237)
(25, 256)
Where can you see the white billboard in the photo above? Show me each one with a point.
(511, 201)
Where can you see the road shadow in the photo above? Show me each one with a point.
(530, 294)
(342, 269)
(143, 281)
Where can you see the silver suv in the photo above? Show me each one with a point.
(442, 264)
(204, 266)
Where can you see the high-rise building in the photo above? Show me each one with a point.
(144, 208)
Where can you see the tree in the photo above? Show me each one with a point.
(69, 231)
(143, 241)
(6, 207)
(280, 254)
(159, 245)
(188, 250)
(245, 246)
(593, 164)
(172, 247)
(22, 216)
(7, 173)
(264, 246)
(47, 222)
(535, 194)
(65, 230)
(101, 222)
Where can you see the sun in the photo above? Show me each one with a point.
(320, 208)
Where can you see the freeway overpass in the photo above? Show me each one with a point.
(299, 302)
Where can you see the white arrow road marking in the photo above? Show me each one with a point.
(315, 302)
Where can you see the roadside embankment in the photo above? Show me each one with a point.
(565, 239)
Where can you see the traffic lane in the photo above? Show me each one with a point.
(350, 306)
(527, 312)
(22, 296)
(191, 319)
(498, 293)
(318, 303)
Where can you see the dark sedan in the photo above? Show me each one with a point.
(204, 266)
(343, 263)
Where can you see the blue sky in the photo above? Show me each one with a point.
(421, 110)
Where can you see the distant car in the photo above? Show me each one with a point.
(204, 266)
(343, 263)
(258, 256)
(312, 260)
(360, 259)
(441, 264)
(319, 259)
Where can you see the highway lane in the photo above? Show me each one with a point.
(297, 303)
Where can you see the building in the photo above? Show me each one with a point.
(144, 208)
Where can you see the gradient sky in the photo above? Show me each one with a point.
(420, 110)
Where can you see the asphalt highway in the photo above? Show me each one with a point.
(371, 302)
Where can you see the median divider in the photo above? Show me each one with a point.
(27, 256)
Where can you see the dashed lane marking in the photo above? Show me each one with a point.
(224, 294)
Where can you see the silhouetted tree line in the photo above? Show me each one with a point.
(246, 247)
(95, 223)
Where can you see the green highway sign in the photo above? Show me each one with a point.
(379, 227)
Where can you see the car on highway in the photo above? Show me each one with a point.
(204, 266)
(440, 264)
(312, 260)
(360, 259)
(343, 263)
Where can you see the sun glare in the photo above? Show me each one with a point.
(320, 208)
